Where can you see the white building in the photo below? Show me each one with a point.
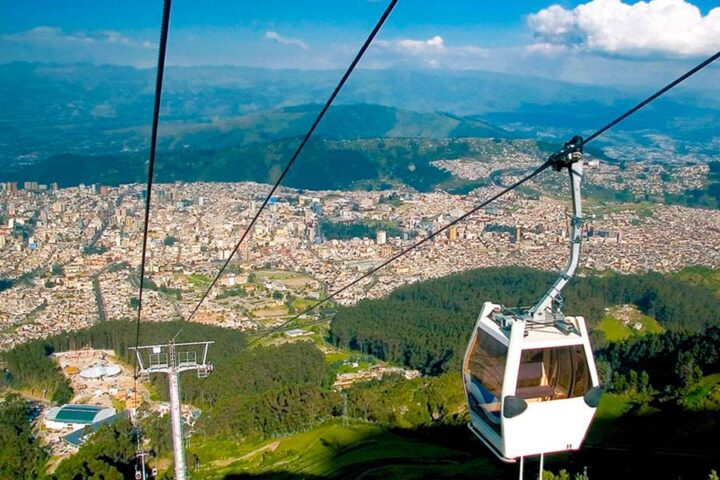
(76, 417)
(100, 371)
(381, 237)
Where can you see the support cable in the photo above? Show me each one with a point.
(555, 160)
(300, 147)
(654, 96)
(412, 247)
(151, 168)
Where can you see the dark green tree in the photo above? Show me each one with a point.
(21, 456)
(687, 369)
(109, 454)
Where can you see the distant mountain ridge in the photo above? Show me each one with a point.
(342, 122)
(324, 165)
(91, 109)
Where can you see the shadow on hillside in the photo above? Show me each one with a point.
(670, 445)
(270, 476)
(406, 455)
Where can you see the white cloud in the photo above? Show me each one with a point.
(295, 42)
(667, 27)
(111, 36)
(407, 45)
(435, 43)
(55, 35)
(46, 34)
(431, 52)
(53, 44)
(547, 48)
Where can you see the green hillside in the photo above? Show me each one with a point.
(698, 275)
(270, 412)
(426, 325)
(75, 108)
(324, 164)
(342, 122)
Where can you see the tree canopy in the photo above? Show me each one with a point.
(427, 325)
(21, 457)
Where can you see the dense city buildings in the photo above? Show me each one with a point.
(69, 257)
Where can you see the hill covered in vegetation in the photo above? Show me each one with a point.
(107, 108)
(427, 325)
(261, 392)
(324, 164)
(270, 411)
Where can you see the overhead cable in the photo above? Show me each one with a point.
(415, 245)
(151, 167)
(549, 162)
(300, 148)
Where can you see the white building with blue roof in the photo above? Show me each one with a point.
(75, 417)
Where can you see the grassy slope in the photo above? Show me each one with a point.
(339, 451)
(704, 276)
(615, 331)
(706, 396)
(629, 438)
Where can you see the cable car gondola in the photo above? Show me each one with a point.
(529, 375)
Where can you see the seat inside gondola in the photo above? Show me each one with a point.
(552, 373)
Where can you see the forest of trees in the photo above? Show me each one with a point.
(672, 362)
(109, 456)
(275, 390)
(363, 229)
(30, 368)
(21, 456)
(426, 325)
(265, 391)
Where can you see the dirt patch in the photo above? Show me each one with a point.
(226, 462)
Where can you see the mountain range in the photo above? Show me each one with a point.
(55, 114)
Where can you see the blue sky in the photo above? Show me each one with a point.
(136, 14)
(596, 41)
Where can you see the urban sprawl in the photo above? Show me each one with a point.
(69, 257)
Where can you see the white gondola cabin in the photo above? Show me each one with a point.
(531, 389)
(530, 378)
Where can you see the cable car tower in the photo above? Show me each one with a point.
(529, 374)
(172, 359)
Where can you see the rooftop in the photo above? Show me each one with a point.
(78, 437)
(78, 414)
(296, 332)
(99, 371)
